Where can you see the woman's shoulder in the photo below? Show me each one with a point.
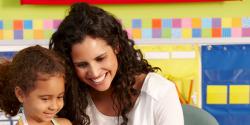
(155, 80)
(62, 121)
(156, 85)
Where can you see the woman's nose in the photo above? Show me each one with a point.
(94, 70)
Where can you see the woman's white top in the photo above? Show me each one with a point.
(157, 104)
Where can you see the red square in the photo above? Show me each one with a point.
(156, 23)
(18, 25)
(216, 32)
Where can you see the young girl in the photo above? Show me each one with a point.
(110, 81)
(33, 80)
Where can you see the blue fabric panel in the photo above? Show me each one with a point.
(226, 65)
(7, 55)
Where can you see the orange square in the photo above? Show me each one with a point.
(156, 23)
(236, 22)
(216, 32)
(136, 33)
(18, 24)
(1, 34)
(196, 23)
(38, 34)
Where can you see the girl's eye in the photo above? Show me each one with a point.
(45, 99)
(60, 97)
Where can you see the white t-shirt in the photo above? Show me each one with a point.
(157, 104)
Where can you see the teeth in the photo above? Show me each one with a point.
(99, 79)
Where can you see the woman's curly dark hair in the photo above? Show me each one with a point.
(27, 66)
(86, 20)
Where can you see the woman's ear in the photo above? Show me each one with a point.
(19, 94)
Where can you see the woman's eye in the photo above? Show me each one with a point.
(81, 65)
(100, 59)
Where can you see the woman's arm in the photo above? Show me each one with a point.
(168, 109)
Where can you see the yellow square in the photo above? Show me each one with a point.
(216, 94)
(187, 33)
(126, 23)
(226, 22)
(28, 35)
(8, 34)
(38, 34)
(239, 94)
(196, 23)
(1, 34)
(37, 24)
(136, 33)
(236, 22)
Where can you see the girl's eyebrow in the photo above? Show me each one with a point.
(62, 93)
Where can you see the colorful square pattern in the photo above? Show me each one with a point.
(27, 29)
(137, 28)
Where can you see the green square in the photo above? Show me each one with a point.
(206, 32)
(28, 34)
(166, 32)
(48, 33)
(8, 24)
(147, 23)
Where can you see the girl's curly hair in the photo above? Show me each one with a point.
(86, 20)
(27, 66)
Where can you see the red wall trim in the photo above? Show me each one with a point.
(54, 2)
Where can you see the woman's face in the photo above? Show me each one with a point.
(95, 63)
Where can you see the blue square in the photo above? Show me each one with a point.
(1, 24)
(146, 33)
(27, 24)
(226, 32)
(206, 23)
(176, 33)
(136, 23)
(196, 33)
(166, 23)
(245, 22)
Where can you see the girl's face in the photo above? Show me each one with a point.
(45, 101)
(95, 63)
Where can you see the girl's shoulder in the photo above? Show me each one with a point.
(61, 121)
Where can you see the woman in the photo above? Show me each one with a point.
(110, 81)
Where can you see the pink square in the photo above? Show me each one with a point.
(236, 32)
(186, 23)
(48, 24)
(176, 23)
(129, 32)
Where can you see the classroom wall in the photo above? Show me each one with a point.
(181, 71)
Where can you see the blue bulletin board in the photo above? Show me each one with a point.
(226, 83)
